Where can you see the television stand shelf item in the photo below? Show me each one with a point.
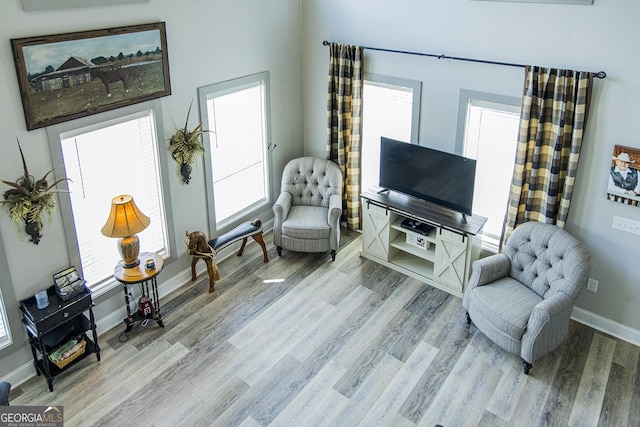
(49, 328)
(438, 254)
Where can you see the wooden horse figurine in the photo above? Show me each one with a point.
(200, 248)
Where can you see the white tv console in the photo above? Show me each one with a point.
(441, 258)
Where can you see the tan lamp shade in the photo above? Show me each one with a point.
(125, 220)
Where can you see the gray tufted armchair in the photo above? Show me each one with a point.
(522, 298)
(307, 212)
(5, 388)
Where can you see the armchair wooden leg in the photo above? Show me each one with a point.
(279, 250)
(468, 317)
(333, 255)
(527, 367)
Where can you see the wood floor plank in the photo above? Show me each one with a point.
(376, 324)
(423, 394)
(277, 391)
(346, 342)
(626, 354)
(209, 373)
(492, 420)
(427, 305)
(634, 393)
(316, 402)
(533, 396)
(385, 410)
(468, 388)
(290, 308)
(617, 403)
(372, 387)
(511, 385)
(565, 384)
(114, 403)
(585, 410)
(261, 357)
(209, 407)
(472, 411)
(330, 324)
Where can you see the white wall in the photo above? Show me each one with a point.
(602, 36)
(208, 41)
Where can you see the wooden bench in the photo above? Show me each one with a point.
(200, 248)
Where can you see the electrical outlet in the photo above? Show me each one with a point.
(592, 285)
(626, 224)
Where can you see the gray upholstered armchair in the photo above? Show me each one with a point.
(307, 212)
(522, 298)
(5, 388)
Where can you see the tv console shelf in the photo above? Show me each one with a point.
(441, 257)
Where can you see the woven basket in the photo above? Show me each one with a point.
(64, 362)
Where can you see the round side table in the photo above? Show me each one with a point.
(147, 278)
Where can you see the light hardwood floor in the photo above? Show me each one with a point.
(303, 341)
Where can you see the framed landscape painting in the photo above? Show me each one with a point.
(66, 76)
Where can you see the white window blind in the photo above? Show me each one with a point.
(5, 335)
(120, 157)
(391, 108)
(236, 117)
(491, 138)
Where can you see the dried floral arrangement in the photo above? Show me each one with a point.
(186, 146)
(28, 199)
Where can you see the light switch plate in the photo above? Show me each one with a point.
(626, 224)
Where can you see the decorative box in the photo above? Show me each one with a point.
(417, 241)
(68, 283)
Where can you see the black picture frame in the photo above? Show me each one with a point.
(67, 76)
(624, 176)
(37, 5)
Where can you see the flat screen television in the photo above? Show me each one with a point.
(435, 176)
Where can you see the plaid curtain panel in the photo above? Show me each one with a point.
(554, 113)
(344, 130)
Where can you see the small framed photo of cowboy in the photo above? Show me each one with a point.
(624, 183)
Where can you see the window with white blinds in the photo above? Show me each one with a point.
(236, 116)
(391, 108)
(105, 161)
(5, 335)
(491, 136)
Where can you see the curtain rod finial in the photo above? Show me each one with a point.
(326, 43)
(600, 74)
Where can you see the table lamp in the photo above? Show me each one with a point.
(125, 220)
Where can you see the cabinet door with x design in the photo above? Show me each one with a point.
(452, 260)
(375, 241)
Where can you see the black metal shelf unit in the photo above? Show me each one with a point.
(50, 327)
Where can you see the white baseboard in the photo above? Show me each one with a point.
(115, 318)
(605, 325)
(112, 320)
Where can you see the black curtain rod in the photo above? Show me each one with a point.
(599, 74)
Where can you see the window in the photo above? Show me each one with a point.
(391, 108)
(102, 161)
(236, 116)
(9, 314)
(490, 137)
(5, 335)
